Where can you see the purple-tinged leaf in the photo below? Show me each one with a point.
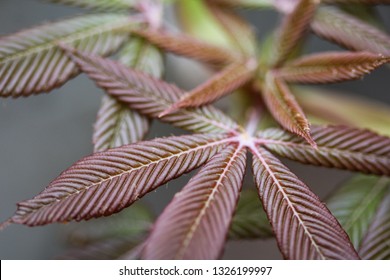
(331, 67)
(285, 109)
(195, 224)
(337, 146)
(188, 46)
(250, 221)
(376, 243)
(292, 30)
(31, 61)
(304, 227)
(116, 123)
(239, 31)
(224, 82)
(350, 32)
(355, 204)
(106, 182)
(150, 96)
(100, 5)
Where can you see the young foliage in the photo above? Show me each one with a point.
(196, 223)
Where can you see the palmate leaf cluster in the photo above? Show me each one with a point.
(353, 224)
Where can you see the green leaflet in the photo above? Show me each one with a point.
(250, 220)
(109, 237)
(376, 243)
(216, 25)
(355, 204)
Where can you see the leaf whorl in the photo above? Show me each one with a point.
(350, 32)
(338, 146)
(31, 61)
(150, 96)
(195, 224)
(105, 183)
(375, 245)
(304, 227)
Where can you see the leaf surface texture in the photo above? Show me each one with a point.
(337, 146)
(304, 227)
(31, 61)
(105, 183)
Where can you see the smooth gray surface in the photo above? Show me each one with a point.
(42, 135)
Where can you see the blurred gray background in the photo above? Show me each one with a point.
(43, 135)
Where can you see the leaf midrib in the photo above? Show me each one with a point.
(365, 203)
(344, 152)
(209, 144)
(286, 198)
(186, 241)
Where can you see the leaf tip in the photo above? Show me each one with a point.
(310, 139)
(170, 109)
(5, 224)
